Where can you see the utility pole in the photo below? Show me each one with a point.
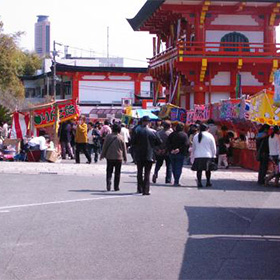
(108, 62)
(54, 70)
(54, 67)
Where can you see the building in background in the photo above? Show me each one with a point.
(102, 92)
(205, 51)
(42, 36)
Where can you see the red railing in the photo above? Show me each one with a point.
(218, 49)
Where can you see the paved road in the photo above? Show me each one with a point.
(67, 227)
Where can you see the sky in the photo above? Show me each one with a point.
(82, 24)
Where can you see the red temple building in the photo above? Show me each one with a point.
(205, 51)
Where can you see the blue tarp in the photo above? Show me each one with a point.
(140, 113)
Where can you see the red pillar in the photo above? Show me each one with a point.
(199, 98)
(188, 100)
(137, 88)
(233, 74)
(75, 85)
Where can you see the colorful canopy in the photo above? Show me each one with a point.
(263, 110)
(140, 113)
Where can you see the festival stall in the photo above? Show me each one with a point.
(45, 117)
(131, 117)
(233, 113)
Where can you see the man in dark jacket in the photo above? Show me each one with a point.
(65, 140)
(144, 139)
(161, 153)
(262, 152)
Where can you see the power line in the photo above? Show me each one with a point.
(99, 53)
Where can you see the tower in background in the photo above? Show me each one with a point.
(42, 36)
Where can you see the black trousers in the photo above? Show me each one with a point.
(263, 169)
(111, 164)
(159, 163)
(82, 147)
(143, 180)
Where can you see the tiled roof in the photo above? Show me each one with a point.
(146, 11)
(152, 5)
(71, 68)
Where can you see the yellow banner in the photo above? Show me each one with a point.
(263, 110)
(165, 111)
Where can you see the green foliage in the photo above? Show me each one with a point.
(14, 63)
(31, 63)
(5, 115)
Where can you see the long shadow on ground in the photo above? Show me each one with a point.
(232, 243)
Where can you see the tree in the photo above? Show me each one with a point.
(31, 63)
(14, 63)
(5, 115)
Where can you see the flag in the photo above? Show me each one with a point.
(238, 90)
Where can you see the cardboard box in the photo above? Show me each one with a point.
(51, 156)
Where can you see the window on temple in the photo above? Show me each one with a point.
(232, 42)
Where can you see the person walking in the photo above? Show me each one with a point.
(81, 140)
(274, 154)
(90, 143)
(161, 153)
(223, 144)
(125, 134)
(104, 131)
(262, 152)
(114, 150)
(204, 149)
(177, 144)
(65, 140)
(144, 139)
(96, 142)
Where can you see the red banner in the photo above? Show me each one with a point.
(68, 109)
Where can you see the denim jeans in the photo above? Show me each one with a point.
(93, 149)
(177, 161)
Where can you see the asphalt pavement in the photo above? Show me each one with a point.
(58, 222)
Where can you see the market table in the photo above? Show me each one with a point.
(245, 158)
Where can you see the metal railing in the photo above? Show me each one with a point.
(218, 49)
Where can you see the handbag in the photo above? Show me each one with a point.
(212, 166)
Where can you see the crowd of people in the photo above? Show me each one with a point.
(149, 142)
(204, 146)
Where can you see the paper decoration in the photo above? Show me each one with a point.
(165, 110)
(199, 112)
(229, 109)
(276, 97)
(263, 110)
(190, 117)
(178, 114)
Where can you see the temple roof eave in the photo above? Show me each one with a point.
(71, 68)
(151, 6)
(145, 12)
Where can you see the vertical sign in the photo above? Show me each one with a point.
(276, 97)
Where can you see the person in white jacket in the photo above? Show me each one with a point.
(204, 152)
